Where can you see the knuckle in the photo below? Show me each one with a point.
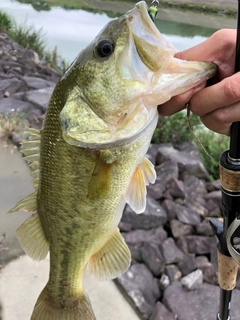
(231, 90)
(225, 37)
(221, 116)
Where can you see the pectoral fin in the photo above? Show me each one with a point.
(137, 191)
(32, 239)
(112, 259)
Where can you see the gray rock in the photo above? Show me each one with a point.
(153, 258)
(152, 153)
(40, 97)
(160, 312)
(190, 148)
(184, 214)
(198, 205)
(167, 171)
(176, 188)
(141, 287)
(169, 206)
(186, 161)
(171, 253)
(155, 190)
(35, 83)
(10, 86)
(199, 304)
(164, 281)
(180, 229)
(204, 228)
(153, 216)
(156, 235)
(200, 244)
(213, 185)
(213, 208)
(193, 280)
(9, 105)
(210, 273)
(173, 272)
(187, 264)
(194, 187)
(136, 251)
(215, 196)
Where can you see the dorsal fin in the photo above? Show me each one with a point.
(31, 149)
(137, 191)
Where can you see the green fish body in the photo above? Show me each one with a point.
(89, 158)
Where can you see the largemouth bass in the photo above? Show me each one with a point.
(89, 158)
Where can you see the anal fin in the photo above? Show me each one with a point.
(112, 259)
(32, 239)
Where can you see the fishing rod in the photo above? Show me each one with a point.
(229, 233)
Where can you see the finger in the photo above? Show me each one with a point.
(220, 120)
(219, 49)
(178, 102)
(220, 95)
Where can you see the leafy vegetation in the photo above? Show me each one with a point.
(175, 129)
(15, 122)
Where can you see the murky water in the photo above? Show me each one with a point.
(72, 30)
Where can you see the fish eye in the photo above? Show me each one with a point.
(104, 48)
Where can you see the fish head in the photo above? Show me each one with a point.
(117, 81)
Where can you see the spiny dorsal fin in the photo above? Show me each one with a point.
(137, 191)
(112, 259)
(32, 239)
(31, 148)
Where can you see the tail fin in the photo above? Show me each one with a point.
(47, 308)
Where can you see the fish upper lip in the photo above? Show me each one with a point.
(143, 8)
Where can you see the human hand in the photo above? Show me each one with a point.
(218, 104)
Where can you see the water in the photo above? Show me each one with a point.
(72, 30)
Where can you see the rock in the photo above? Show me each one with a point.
(169, 206)
(213, 185)
(10, 105)
(210, 274)
(196, 205)
(194, 187)
(40, 97)
(180, 229)
(152, 153)
(125, 226)
(153, 216)
(185, 161)
(173, 272)
(204, 228)
(213, 208)
(167, 171)
(200, 244)
(141, 287)
(176, 188)
(156, 235)
(171, 253)
(215, 196)
(184, 214)
(164, 281)
(162, 313)
(153, 258)
(10, 86)
(136, 251)
(193, 280)
(35, 83)
(201, 304)
(187, 264)
(155, 190)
